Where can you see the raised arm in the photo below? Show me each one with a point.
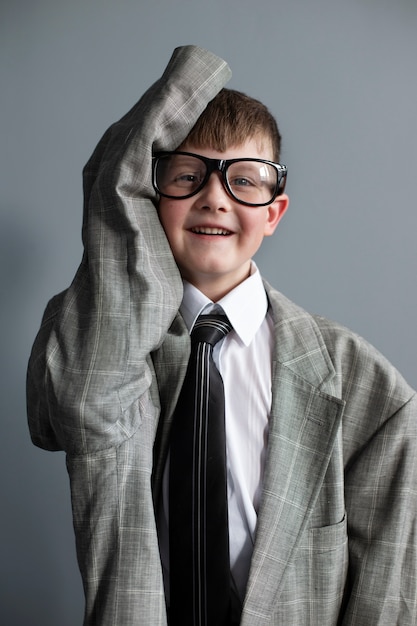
(89, 363)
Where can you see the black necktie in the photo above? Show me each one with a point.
(198, 520)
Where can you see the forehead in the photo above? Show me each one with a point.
(258, 147)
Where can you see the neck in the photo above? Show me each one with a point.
(216, 289)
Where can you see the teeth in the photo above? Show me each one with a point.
(210, 231)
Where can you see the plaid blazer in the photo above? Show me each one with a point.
(336, 534)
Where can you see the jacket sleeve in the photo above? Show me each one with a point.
(90, 360)
(380, 440)
(381, 500)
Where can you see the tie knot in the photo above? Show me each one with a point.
(210, 328)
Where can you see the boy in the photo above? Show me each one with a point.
(321, 430)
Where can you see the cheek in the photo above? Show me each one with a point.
(161, 215)
(166, 217)
(254, 225)
(172, 214)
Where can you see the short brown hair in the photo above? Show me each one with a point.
(232, 118)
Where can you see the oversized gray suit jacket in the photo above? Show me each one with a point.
(336, 539)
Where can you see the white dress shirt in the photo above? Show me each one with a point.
(244, 359)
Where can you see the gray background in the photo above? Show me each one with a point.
(341, 79)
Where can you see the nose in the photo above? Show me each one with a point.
(214, 195)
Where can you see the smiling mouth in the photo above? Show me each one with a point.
(203, 230)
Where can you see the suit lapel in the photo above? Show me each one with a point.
(303, 425)
(170, 363)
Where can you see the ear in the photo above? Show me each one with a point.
(275, 212)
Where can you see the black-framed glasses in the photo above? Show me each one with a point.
(253, 182)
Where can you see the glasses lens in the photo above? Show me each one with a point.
(252, 182)
(179, 175)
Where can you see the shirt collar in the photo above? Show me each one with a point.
(248, 297)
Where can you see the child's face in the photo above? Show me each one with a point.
(212, 237)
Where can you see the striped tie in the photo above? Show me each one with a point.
(198, 523)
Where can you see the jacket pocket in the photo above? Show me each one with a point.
(327, 538)
(314, 583)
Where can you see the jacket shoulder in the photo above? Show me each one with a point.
(359, 367)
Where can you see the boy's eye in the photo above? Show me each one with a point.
(241, 181)
(245, 178)
(251, 179)
(184, 173)
(187, 178)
